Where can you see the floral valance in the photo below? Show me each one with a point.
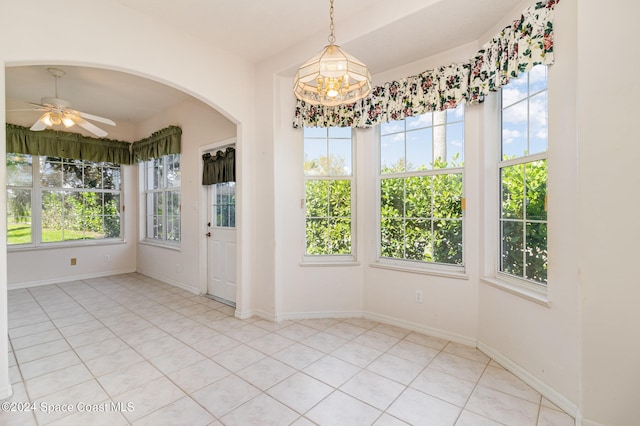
(163, 142)
(516, 49)
(220, 167)
(54, 143)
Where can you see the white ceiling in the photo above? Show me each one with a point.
(382, 33)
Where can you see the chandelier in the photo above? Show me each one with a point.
(332, 77)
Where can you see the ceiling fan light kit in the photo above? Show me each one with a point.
(332, 77)
(58, 111)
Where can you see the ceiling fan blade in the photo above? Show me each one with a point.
(95, 118)
(40, 124)
(90, 127)
(26, 109)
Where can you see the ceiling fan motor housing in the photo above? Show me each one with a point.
(56, 102)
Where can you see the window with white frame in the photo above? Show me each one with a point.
(329, 187)
(523, 178)
(162, 198)
(56, 200)
(421, 188)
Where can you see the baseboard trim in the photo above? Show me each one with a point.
(545, 390)
(17, 286)
(435, 332)
(169, 281)
(319, 314)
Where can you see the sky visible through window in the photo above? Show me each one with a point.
(524, 114)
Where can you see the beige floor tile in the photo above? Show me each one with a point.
(261, 410)
(502, 407)
(502, 380)
(265, 373)
(221, 397)
(176, 360)
(395, 368)
(298, 356)
(373, 389)
(459, 367)
(48, 364)
(198, 375)
(270, 343)
(57, 380)
(551, 417)
(238, 357)
(300, 392)
(444, 386)
(342, 409)
(149, 398)
(125, 379)
(185, 359)
(415, 407)
(184, 411)
(332, 371)
(114, 361)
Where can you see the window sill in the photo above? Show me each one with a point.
(460, 275)
(160, 244)
(327, 261)
(62, 245)
(539, 297)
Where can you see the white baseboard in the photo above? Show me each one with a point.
(169, 281)
(320, 314)
(545, 390)
(435, 332)
(16, 286)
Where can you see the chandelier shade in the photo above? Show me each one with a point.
(332, 77)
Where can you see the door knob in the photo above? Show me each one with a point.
(208, 234)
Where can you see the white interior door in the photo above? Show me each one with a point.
(221, 232)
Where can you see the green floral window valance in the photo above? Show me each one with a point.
(53, 143)
(163, 142)
(220, 167)
(516, 49)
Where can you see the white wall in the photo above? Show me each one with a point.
(607, 93)
(541, 343)
(201, 126)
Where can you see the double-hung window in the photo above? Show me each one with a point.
(162, 198)
(421, 189)
(54, 200)
(329, 188)
(523, 178)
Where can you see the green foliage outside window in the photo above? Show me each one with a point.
(421, 216)
(524, 220)
(79, 199)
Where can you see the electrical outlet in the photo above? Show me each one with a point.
(418, 296)
(73, 261)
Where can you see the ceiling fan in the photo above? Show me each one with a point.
(58, 111)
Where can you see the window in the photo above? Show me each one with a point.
(523, 177)
(328, 173)
(224, 204)
(421, 190)
(61, 199)
(162, 198)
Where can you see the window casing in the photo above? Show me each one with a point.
(421, 190)
(162, 199)
(329, 194)
(522, 172)
(60, 200)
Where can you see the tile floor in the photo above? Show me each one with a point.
(128, 349)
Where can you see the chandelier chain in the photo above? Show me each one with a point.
(332, 37)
